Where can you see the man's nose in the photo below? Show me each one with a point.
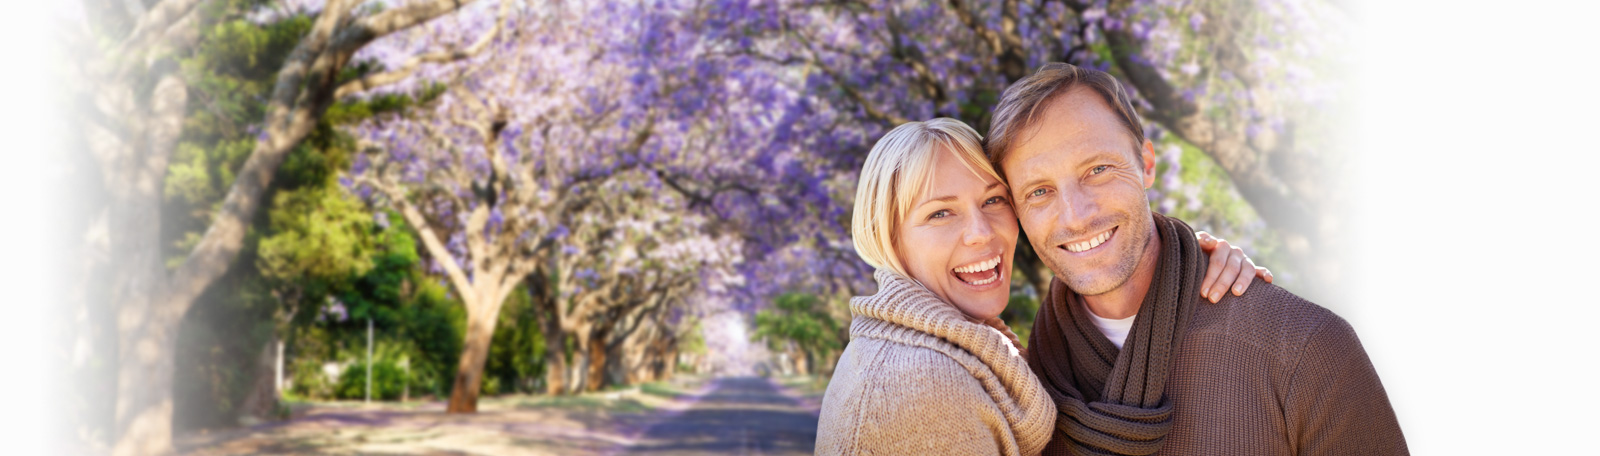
(1076, 212)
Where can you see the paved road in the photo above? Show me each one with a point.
(739, 415)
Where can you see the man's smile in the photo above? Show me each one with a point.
(1091, 243)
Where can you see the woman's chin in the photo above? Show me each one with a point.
(984, 305)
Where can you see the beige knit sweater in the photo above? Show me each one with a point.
(920, 378)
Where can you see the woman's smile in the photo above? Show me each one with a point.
(980, 273)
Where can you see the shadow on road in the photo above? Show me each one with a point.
(738, 415)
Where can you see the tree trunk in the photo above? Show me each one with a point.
(147, 322)
(262, 402)
(146, 359)
(578, 369)
(669, 361)
(555, 357)
(595, 379)
(469, 373)
(555, 336)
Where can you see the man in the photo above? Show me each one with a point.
(1134, 363)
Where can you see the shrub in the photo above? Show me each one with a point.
(389, 380)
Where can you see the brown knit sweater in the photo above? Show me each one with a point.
(1266, 373)
(1270, 373)
(919, 378)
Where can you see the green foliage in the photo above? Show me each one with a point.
(218, 347)
(357, 110)
(802, 319)
(1206, 198)
(389, 381)
(412, 315)
(319, 235)
(306, 378)
(1019, 315)
(232, 69)
(516, 355)
(693, 342)
(311, 241)
(978, 106)
(435, 325)
(231, 75)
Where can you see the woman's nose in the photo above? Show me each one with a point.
(978, 231)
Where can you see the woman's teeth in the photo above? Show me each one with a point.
(987, 281)
(1089, 244)
(980, 266)
(988, 268)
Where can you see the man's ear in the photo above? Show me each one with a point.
(1147, 154)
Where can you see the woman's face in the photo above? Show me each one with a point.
(959, 238)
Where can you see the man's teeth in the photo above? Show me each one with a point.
(980, 266)
(1089, 244)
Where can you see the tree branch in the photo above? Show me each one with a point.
(374, 80)
(887, 119)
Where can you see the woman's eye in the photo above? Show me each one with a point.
(994, 200)
(941, 214)
(1099, 169)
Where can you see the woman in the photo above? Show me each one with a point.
(930, 367)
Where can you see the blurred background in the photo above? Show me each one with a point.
(506, 226)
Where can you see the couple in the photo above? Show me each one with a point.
(1135, 350)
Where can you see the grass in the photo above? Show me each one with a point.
(666, 390)
(587, 402)
(806, 385)
(639, 398)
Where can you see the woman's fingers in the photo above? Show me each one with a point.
(1208, 243)
(1264, 274)
(1230, 269)
(1247, 273)
(1219, 256)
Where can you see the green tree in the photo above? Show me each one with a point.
(516, 356)
(137, 106)
(315, 240)
(801, 319)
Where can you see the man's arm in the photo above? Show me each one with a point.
(1335, 403)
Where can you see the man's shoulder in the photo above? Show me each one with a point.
(1266, 316)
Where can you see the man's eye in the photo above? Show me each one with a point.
(1099, 169)
(1036, 192)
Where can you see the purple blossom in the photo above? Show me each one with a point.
(333, 308)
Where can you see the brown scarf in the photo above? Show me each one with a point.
(1112, 401)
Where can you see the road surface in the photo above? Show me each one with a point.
(736, 416)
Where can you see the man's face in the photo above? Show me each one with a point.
(1078, 182)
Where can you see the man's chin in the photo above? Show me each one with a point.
(1093, 284)
(1100, 281)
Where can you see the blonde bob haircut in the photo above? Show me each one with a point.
(898, 170)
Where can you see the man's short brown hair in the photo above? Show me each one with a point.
(1020, 103)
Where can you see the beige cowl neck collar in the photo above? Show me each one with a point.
(906, 312)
